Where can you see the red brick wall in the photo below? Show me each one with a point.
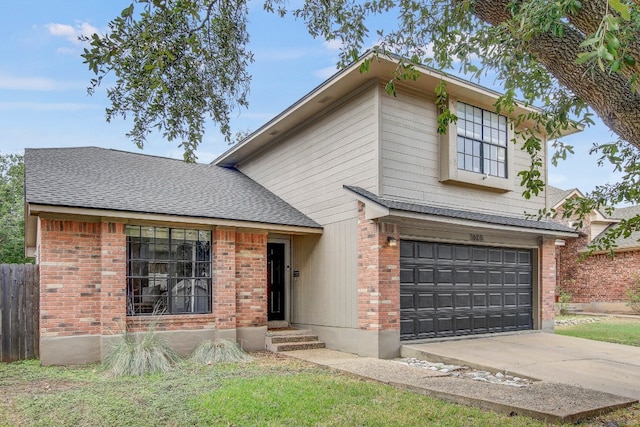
(251, 279)
(224, 276)
(70, 278)
(378, 275)
(597, 278)
(113, 272)
(547, 278)
(83, 281)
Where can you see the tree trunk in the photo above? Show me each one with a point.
(610, 95)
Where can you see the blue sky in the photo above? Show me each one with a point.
(44, 103)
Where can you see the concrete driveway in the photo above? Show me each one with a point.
(611, 368)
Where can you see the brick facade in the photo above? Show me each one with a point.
(83, 282)
(70, 278)
(597, 278)
(547, 280)
(251, 279)
(378, 275)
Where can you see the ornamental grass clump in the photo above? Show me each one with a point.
(218, 351)
(136, 354)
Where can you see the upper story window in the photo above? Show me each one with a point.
(168, 270)
(481, 141)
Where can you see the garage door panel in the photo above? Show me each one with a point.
(444, 276)
(524, 278)
(407, 302)
(462, 301)
(480, 300)
(510, 299)
(426, 250)
(406, 275)
(426, 301)
(510, 257)
(510, 278)
(524, 299)
(480, 278)
(462, 277)
(462, 254)
(495, 278)
(444, 301)
(524, 321)
(449, 289)
(480, 324)
(425, 275)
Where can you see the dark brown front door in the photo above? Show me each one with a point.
(275, 280)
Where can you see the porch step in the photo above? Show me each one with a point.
(292, 339)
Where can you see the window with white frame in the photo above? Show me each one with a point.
(481, 141)
(168, 270)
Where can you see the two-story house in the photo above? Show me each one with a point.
(347, 214)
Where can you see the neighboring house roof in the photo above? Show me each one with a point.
(625, 243)
(98, 178)
(556, 196)
(460, 214)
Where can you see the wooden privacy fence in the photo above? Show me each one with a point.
(19, 312)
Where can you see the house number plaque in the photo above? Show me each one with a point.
(477, 237)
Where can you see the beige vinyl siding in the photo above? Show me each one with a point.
(324, 293)
(410, 163)
(309, 167)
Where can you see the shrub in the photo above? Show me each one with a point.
(218, 351)
(136, 354)
(633, 297)
(563, 301)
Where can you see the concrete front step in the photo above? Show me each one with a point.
(306, 345)
(280, 339)
(291, 339)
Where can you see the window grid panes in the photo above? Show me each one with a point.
(168, 270)
(482, 141)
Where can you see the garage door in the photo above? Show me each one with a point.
(450, 290)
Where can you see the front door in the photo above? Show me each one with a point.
(275, 280)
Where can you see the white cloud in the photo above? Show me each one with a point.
(334, 44)
(8, 82)
(325, 73)
(71, 33)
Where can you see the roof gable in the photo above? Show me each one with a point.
(346, 81)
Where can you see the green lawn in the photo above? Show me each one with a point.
(609, 329)
(270, 391)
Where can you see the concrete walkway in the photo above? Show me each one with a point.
(558, 397)
(607, 367)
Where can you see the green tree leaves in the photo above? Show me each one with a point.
(12, 210)
(175, 63)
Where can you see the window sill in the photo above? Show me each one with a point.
(477, 180)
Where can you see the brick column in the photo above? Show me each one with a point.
(69, 278)
(224, 278)
(547, 283)
(113, 271)
(251, 279)
(378, 275)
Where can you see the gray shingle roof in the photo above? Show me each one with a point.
(459, 214)
(633, 241)
(92, 177)
(557, 195)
